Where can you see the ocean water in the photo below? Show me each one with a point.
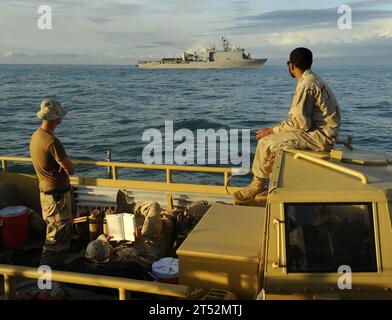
(109, 107)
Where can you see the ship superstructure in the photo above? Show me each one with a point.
(212, 58)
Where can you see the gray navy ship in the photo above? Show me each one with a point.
(212, 59)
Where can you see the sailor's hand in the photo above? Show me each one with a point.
(261, 133)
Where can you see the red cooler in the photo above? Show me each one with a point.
(14, 226)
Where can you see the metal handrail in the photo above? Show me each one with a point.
(123, 285)
(333, 166)
(278, 223)
(227, 172)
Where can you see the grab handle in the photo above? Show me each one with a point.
(278, 224)
(333, 166)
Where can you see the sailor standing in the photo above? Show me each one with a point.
(52, 165)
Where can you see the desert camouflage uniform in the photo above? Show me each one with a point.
(58, 218)
(313, 123)
(47, 152)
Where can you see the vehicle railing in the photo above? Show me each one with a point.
(227, 172)
(123, 285)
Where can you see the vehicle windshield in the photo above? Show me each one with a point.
(322, 237)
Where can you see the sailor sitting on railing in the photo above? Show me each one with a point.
(313, 123)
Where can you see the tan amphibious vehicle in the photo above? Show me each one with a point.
(323, 232)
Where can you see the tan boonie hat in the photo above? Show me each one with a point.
(98, 251)
(51, 110)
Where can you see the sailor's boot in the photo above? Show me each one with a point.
(123, 203)
(249, 192)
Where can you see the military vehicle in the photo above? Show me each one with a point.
(212, 59)
(322, 232)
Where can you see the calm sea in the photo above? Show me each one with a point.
(109, 107)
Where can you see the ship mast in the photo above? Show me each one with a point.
(225, 44)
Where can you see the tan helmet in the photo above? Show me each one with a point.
(98, 251)
(50, 110)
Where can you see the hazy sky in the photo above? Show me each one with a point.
(124, 31)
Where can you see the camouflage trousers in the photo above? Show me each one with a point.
(58, 218)
(152, 224)
(267, 148)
